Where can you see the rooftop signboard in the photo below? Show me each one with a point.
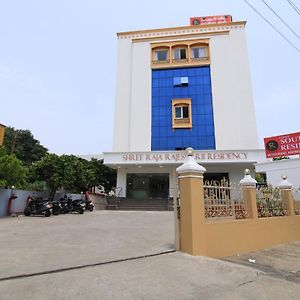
(282, 145)
(210, 20)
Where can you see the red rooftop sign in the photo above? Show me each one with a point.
(282, 145)
(210, 20)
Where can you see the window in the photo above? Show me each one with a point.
(179, 53)
(180, 81)
(161, 55)
(199, 52)
(182, 113)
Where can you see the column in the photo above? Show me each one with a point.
(287, 196)
(249, 193)
(192, 207)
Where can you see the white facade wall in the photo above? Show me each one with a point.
(234, 116)
(140, 123)
(122, 114)
(235, 172)
(275, 169)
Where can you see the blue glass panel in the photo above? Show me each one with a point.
(176, 81)
(210, 141)
(209, 130)
(208, 109)
(206, 80)
(201, 135)
(206, 89)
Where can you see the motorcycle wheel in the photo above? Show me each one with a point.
(27, 212)
(47, 213)
(91, 208)
(81, 211)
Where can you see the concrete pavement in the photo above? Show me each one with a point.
(38, 244)
(121, 235)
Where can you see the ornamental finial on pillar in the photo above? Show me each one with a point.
(248, 180)
(190, 165)
(284, 184)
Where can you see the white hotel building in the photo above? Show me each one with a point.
(182, 87)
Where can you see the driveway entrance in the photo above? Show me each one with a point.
(38, 244)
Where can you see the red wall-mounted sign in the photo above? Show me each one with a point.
(282, 145)
(210, 20)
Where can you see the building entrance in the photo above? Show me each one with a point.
(148, 186)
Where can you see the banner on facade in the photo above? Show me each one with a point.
(282, 145)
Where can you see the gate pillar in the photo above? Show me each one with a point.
(192, 207)
(249, 193)
(287, 196)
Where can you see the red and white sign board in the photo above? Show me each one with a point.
(282, 145)
(210, 20)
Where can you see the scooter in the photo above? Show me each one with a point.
(56, 207)
(38, 207)
(64, 205)
(76, 205)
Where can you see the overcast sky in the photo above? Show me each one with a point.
(58, 64)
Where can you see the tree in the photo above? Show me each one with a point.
(104, 175)
(50, 169)
(23, 144)
(80, 175)
(260, 178)
(2, 151)
(72, 173)
(280, 158)
(12, 171)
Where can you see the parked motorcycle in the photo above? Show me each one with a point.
(64, 205)
(37, 206)
(56, 207)
(77, 205)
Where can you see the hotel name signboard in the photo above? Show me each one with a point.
(173, 157)
(210, 20)
(282, 145)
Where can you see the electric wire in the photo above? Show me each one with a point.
(274, 12)
(282, 35)
(294, 6)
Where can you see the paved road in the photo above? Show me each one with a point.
(120, 235)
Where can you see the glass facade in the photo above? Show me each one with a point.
(147, 186)
(201, 135)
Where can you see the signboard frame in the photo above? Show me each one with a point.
(282, 145)
(220, 19)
